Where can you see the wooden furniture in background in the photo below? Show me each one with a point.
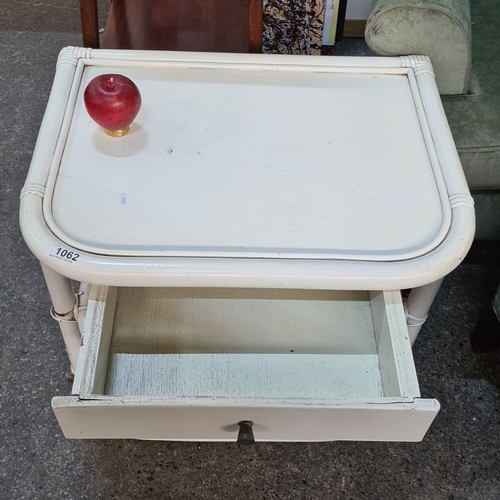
(196, 25)
(90, 23)
(354, 28)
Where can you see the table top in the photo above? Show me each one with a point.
(249, 160)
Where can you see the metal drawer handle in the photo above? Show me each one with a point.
(245, 434)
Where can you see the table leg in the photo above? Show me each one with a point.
(417, 307)
(90, 23)
(255, 26)
(63, 310)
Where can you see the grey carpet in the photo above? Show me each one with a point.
(458, 459)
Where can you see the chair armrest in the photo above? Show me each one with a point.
(440, 29)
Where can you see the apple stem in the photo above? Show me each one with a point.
(110, 84)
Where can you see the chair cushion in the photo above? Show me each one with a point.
(475, 119)
(440, 29)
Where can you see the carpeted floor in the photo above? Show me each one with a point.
(458, 459)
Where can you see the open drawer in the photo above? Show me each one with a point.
(191, 363)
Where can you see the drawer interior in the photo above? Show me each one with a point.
(245, 343)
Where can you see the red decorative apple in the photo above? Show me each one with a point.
(113, 102)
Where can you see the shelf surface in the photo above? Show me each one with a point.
(248, 170)
(284, 376)
(247, 163)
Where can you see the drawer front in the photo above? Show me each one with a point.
(186, 421)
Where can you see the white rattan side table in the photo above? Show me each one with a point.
(242, 250)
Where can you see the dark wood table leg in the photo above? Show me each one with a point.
(90, 23)
(255, 26)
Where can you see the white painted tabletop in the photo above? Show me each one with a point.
(257, 157)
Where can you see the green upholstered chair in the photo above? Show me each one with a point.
(463, 42)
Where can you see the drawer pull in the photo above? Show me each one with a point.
(245, 434)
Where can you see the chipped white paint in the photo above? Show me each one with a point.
(289, 376)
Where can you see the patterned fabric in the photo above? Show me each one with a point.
(293, 26)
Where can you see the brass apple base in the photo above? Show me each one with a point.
(117, 133)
